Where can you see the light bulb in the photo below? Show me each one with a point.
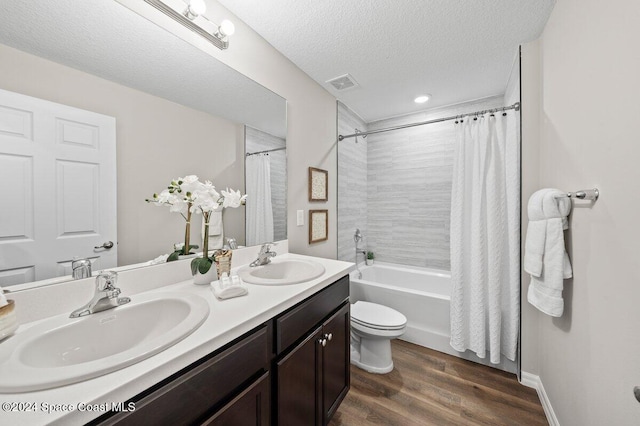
(422, 99)
(227, 28)
(196, 8)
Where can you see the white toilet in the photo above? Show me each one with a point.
(372, 328)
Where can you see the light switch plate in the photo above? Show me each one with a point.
(300, 218)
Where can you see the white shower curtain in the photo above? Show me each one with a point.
(485, 237)
(259, 210)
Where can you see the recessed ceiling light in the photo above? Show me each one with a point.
(422, 99)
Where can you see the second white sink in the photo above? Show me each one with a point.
(282, 272)
(61, 351)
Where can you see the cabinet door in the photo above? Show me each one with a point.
(335, 361)
(299, 384)
(250, 408)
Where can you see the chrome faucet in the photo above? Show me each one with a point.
(105, 297)
(264, 256)
(80, 268)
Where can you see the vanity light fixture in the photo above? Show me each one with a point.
(194, 9)
(422, 99)
(190, 14)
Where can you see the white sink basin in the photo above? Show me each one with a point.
(61, 350)
(282, 272)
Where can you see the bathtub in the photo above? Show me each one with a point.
(421, 294)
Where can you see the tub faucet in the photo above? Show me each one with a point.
(105, 297)
(264, 256)
(80, 268)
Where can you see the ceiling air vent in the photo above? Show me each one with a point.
(344, 82)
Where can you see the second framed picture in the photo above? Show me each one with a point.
(318, 225)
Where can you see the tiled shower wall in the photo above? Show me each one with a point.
(408, 185)
(352, 184)
(256, 140)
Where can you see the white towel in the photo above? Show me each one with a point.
(536, 234)
(545, 256)
(228, 291)
(216, 230)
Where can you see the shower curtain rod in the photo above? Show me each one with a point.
(264, 152)
(515, 106)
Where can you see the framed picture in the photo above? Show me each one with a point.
(318, 187)
(318, 225)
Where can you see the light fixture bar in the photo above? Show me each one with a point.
(178, 16)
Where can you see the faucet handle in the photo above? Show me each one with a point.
(263, 249)
(232, 243)
(79, 263)
(113, 294)
(106, 280)
(266, 247)
(80, 268)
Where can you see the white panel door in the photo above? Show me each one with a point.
(58, 173)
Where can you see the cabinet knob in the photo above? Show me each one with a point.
(323, 342)
(328, 336)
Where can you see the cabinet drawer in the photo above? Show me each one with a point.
(295, 323)
(192, 395)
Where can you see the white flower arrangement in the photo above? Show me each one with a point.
(188, 195)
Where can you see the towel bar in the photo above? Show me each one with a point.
(584, 194)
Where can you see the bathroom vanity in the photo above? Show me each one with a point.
(279, 355)
(291, 370)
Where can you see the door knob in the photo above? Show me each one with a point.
(328, 336)
(107, 245)
(323, 342)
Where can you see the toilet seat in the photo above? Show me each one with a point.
(377, 317)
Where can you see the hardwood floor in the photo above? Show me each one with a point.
(428, 387)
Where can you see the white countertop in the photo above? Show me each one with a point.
(227, 320)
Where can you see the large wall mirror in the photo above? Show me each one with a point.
(90, 86)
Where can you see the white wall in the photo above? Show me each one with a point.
(589, 84)
(530, 116)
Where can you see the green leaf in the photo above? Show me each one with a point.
(205, 265)
(173, 256)
(201, 265)
(194, 265)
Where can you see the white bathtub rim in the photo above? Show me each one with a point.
(403, 289)
(441, 273)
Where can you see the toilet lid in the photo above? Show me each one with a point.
(377, 316)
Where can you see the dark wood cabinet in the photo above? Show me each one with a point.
(191, 395)
(336, 361)
(313, 376)
(250, 408)
(292, 370)
(300, 383)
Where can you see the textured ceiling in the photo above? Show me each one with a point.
(104, 38)
(456, 50)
